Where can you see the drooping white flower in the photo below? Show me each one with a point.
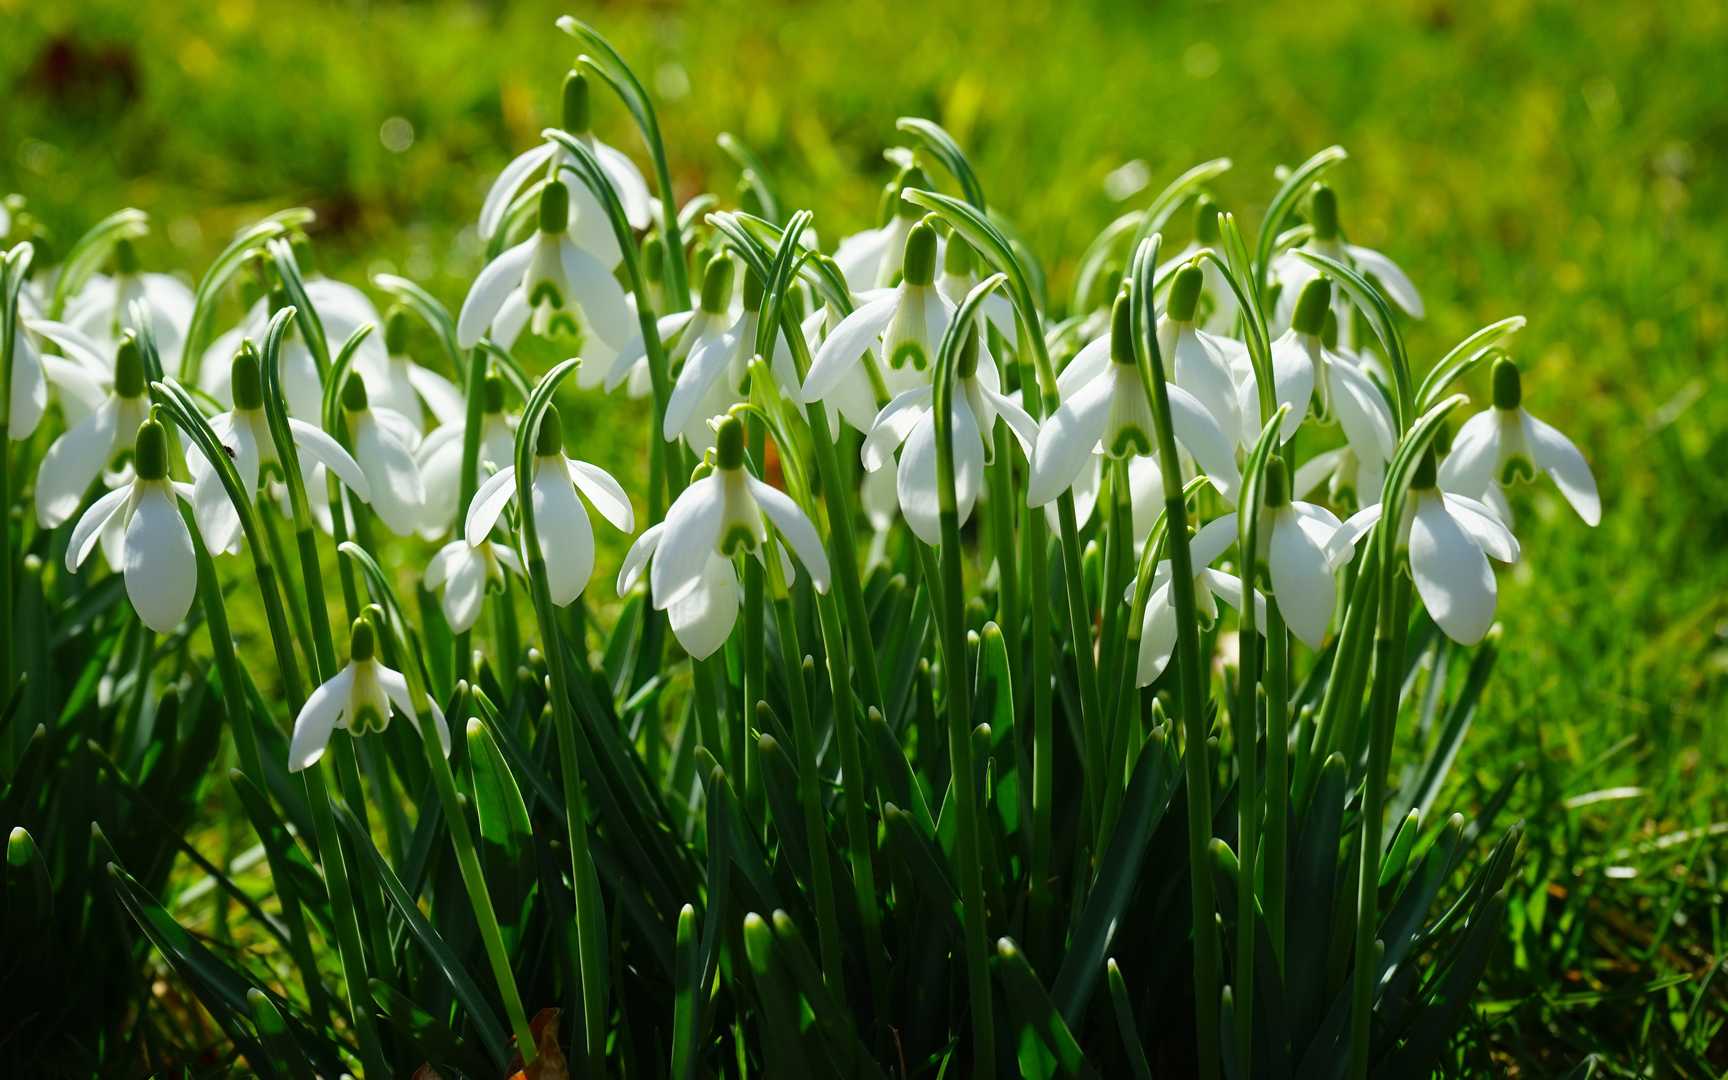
(1158, 628)
(566, 537)
(244, 432)
(682, 333)
(1218, 306)
(1447, 538)
(907, 321)
(83, 374)
(1504, 444)
(399, 384)
(701, 619)
(548, 284)
(1306, 371)
(1198, 361)
(1293, 273)
(589, 226)
(159, 566)
(440, 457)
(357, 700)
(465, 571)
(384, 443)
(1105, 410)
(1351, 478)
(79, 454)
(910, 419)
(102, 310)
(873, 258)
(1303, 547)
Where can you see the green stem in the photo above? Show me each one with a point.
(1246, 724)
(1277, 774)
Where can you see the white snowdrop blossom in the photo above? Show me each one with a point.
(1218, 306)
(589, 226)
(399, 384)
(78, 455)
(1447, 538)
(683, 332)
(1293, 273)
(82, 374)
(357, 700)
(872, 259)
(102, 310)
(244, 432)
(1504, 444)
(688, 556)
(1158, 627)
(465, 572)
(384, 443)
(907, 320)
(549, 285)
(157, 560)
(711, 378)
(561, 519)
(440, 457)
(910, 419)
(1303, 547)
(1105, 410)
(1199, 362)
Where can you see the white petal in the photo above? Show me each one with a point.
(488, 503)
(636, 350)
(702, 620)
(1392, 279)
(1157, 637)
(160, 567)
(1200, 369)
(438, 569)
(89, 529)
(893, 424)
(29, 390)
(465, 593)
(844, 347)
(1198, 432)
(566, 538)
(1228, 587)
(795, 528)
(1362, 411)
(692, 530)
(1452, 574)
(636, 559)
(396, 689)
(1470, 464)
(71, 463)
(318, 719)
(314, 444)
(509, 182)
(628, 182)
(1066, 439)
(1301, 578)
(604, 492)
(1293, 379)
(398, 494)
(1019, 421)
(860, 255)
(1088, 364)
(604, 307)
(499, 279)
(1357, 526)
(1213, 540)
(708, 362)
(1555, 453)
(439, 393)
(915, 481)
(1483, 526)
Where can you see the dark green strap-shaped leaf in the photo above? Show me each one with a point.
(89, 251)
(1292, 190)
(688, 992)
(943, 148)
(431, 1037)
(1313, 879)
(832, 1014)
(279, 1049)
(1462, 358)
(210, 286)
(1125, 1022)
(436, 315)
(497, 799)
(1032, 1011)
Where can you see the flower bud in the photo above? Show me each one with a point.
(1275, 485)
(549, 441)
(1508, 385)
(1206, 220)
(245, 379)
(967, 364)
(717, 284)
(919, 266)
(576, 107)
(150, 451)
(128, 368)
(354, 393)
(729, 443)
(554, 207)
(125, 257)
(1185, 293)
(396, 330)
(1122, 330)
(1323, 212)
(1427, 472)
(910, 177)
(1311, 306)
(653, 258)
(752, 291)
(957, 258)
(362, 641)
(493, 389)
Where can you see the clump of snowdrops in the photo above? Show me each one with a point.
(976, 650)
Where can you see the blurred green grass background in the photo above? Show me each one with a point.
(1565, 161)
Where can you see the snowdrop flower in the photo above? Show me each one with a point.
(1350, 478)
(160, 569)
(1199, 362)
(911, 419)
(384, 445)
(1158, 628)
(1105, 410)
(81, 374)
(1447, 538)
(960, 275)
(79, 454)
(1303, 546)
(549, 285)
(908, 320)
(1306, 371)
(589, 226)
(357, 700)
(871, 259)
(688, 556)
(1504, 444)
(244, 432)
(711, 379)
(400, 385)
(684, 332)
(102, 310)
(1217, 305)
(1294, 272)
(566, 538)
(440, 457)
(465, 572)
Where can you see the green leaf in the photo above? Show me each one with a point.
(497, 799)
(1031, 1009)
(430, 1036)
(279, 1049)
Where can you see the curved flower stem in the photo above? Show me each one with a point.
(1277, 841)
(1113, 741)
(12, 269)
(473, 418)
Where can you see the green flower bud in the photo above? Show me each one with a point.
(549, 441)
(717, 284)
(396, 330)
(752, 291)
(493, 389)
(1508, 384)
(246, 380)
(577, 120)
(1206, 220)
(1310, 317)
(362, 641)
(1329, 329)
(1276, 484)
(910, 177)
(919, 266)
(1122, 330)
(129, 368)
(150, 451)
(968, 359)
(125, 257)
(554, 207)
(354, 393)
(1427, 472)
(729, 443)
(1185, 293)
(653, 258)
(957, 260)
(1323, 212)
